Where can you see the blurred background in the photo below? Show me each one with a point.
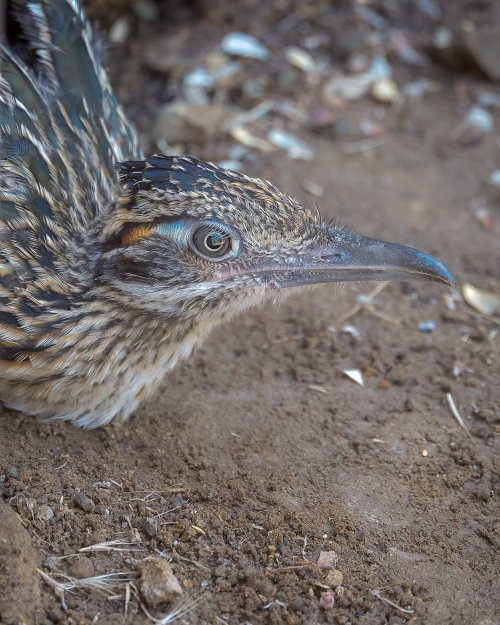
(333, 460)
(235, 81)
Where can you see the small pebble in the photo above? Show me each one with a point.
(157, 582)
(442, 38)
(334, 578)
(484, 217)
(300, 59)
(81, 567)
(12, 472)
(476, 124)
(297, 603)
(100, 509)
(220, 571)
(427, 327)
(45, 513)
(50, 563)
(55, 615)
(352, 331)
(494, 181)
(243, 44)
(119, 31)
(188, 534)
(150, 527)
(481, 119)
(103, 484)
(385, 90)
(327, 559)
(199, 78)
(327, 600)
(83, 502)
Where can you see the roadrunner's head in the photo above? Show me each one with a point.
(105, 288)
(190, 239)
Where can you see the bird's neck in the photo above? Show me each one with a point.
(101, 360)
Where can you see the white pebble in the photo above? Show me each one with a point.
(243, 44)
(385, 90)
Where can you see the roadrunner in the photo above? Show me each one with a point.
(112, 270)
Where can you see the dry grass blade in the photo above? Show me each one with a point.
(127, 599)
(377, 594)
(197, 564)
(363, 145)
(363, 301)
(105, 584)
(179, 609)
(120, 544)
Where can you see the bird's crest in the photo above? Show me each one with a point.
(167, 187)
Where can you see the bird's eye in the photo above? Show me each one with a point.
(211, 242)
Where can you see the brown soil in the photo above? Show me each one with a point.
(258, 454)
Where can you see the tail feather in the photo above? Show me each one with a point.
(29, 144)
(63, 42)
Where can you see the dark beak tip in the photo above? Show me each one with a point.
(435, 271)
(350, 257)
(450, 281)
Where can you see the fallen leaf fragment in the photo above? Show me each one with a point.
(354, 87)
(190, 123)
(355, 375)
(300, 59)
(484, 217)
(295, 147)
(455, 413)
(317, 388)
(245, 137)
(482, 301)
(245, 45)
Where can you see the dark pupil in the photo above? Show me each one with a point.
(214, 241)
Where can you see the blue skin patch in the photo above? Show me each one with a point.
(179, 230)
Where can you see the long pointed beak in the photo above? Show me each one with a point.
(347, 257)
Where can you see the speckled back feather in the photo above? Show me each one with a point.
(61, 132)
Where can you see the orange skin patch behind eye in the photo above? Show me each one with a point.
(136, 233)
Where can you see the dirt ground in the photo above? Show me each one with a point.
(258, 458)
